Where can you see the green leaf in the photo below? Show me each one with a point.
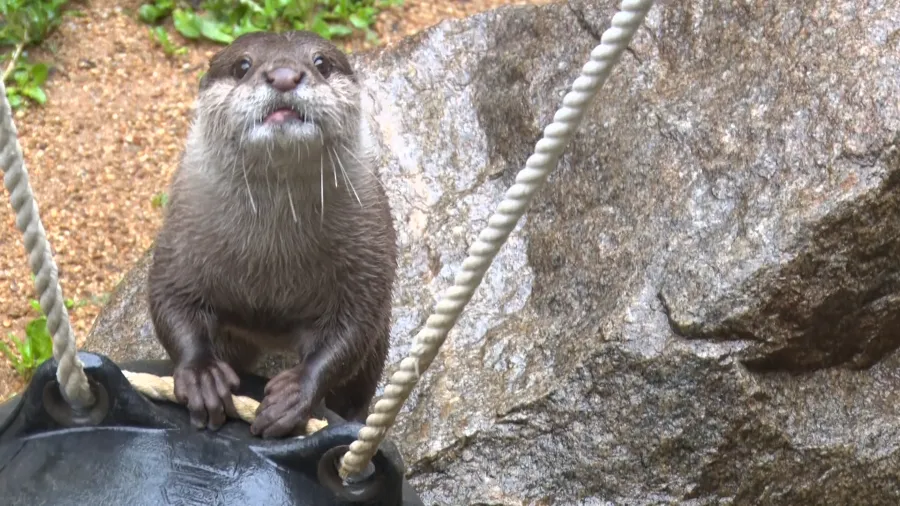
(36, 305)
(15, 101)
(246, 26)
(25, 351)
(150, 13)
(43, 351)
(18, 342)
(212, 30)
(251, 5)
(339, 30)
(357, 21)
(186, 23)
(41, 340)
(37, 328)
(36, 94)
(20, 75)
(296, 11)
(160, 199)
(13, 359)
(320, 26)
(39, 73)
(162, 38)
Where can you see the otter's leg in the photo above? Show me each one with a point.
(235, 351)
(352, 399)
(343, 349)
(203, 381)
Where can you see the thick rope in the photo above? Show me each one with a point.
(70, 371)
(163, 388)
(528, 181)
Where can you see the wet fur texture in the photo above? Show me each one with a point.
(276, 238)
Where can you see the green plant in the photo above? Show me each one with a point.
(37, 346)
(162, 38)
(159, 200)
(27, 79)
(25, 23)
(222, 21)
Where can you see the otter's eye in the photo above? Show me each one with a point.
(322, 66)
(242, 67)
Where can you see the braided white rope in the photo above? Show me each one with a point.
(528, 181)
(162, 388)
(70, 370)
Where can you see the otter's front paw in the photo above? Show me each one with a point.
(205, 387)
(286, 407)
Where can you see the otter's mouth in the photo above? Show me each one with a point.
(284, 115)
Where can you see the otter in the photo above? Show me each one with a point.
(277, 236)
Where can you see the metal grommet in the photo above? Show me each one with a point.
(65, 414)
(362, 488)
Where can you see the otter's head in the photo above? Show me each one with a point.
(289, 90)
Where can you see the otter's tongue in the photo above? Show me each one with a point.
(281, 115)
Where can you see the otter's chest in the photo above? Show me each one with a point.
(269, 271)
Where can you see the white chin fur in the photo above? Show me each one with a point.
(291, 132)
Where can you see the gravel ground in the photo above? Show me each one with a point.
(108, 140)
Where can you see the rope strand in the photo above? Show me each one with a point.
(528, 181)
(70, 371)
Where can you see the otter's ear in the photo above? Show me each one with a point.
(341, 62)
(215, 69)
(204, 81)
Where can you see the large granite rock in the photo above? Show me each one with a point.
(703, 305)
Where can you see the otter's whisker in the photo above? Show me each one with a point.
(333, 167)
(266, 164)
(247, 184)
(321, 189)
(307, 115)
(291, 202)
(244, 168)
(346, 176)
(370, 170)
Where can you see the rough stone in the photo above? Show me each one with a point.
(702, 306)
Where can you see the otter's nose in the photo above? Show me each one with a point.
(284, 79)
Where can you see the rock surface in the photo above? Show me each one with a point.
(703, 304)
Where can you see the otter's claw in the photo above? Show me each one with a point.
(206, 390)
(286, 407)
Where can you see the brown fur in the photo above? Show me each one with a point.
(281, 241)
